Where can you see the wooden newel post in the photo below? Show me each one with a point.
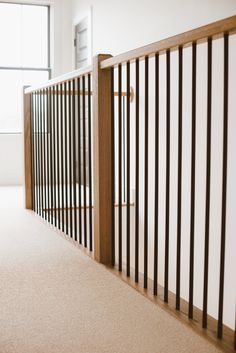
(102, 161)
(27, 151)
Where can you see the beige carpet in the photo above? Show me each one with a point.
(55, 299)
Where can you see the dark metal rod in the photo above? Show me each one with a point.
(179, 191)
(48, 153)
(120, 164)
(113, 184)
(44, 154)
(32, 150)
(70, 158)
(128, 170)
(51, 153)
(41, 153)
(54, 157)
(79, 161)
(224, 185)
(193, 162)
(58, 159)
(36, 150)
(84, 162)
(137, 172)
(208, 183)
(90, 165)
(166, 285)
(74, 160)
(66, 155)
(62, 160)
(39, 157)
(145, 284)
(156, 211)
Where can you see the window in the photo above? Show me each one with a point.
(24, 59)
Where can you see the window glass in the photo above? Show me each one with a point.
(23, 35)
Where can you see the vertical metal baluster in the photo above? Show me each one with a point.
(156, 212)
(128, 168)
(39, 157)
(84, 163)
(58, 159)
(62, 158)
(41, 152)
(44, 155)
(32, 149)
(145, 284)
(66, 154)
(179, 192)
(79, 161)
(120, 162)
(90, 166)
(166, 287)
(36, 149)
(54, 157)
(74, 160)
(70, 158)
(224, 185)
(208, 183)
(51, 153)
(48, 154)
(193, 162)
(137, 172)
(113, 192)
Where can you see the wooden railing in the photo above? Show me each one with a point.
(144, 146)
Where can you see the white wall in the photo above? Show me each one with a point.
(119, 26)
(11, 147)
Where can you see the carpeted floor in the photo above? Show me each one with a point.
(55, 299)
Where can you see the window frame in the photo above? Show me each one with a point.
(27, 68)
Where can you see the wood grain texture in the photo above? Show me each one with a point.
(60, 79)
(200, 34)
(102, 163)
(27, 152)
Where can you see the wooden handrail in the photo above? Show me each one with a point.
(200, 34)
(60, 79)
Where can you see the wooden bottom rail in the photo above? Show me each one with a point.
(87, 206)
(226, 344)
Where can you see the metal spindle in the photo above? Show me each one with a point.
(145, 284)
(193, 163)
(128, 169)
(62, 159)
(66, 154)
(179, 191)
(58, 159)
(70, 164)
(167, 216)
(79, 161)
(113, 191)
(74, 159)
(137, 172)
(48, 154)
(36, 150)
(44, 156)
(208, 184)
(84, 163)
(156, 211)
(41, 153)
(51, 154)
(224, 185)
(54, 158)
(90, 165)
(120, 163)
